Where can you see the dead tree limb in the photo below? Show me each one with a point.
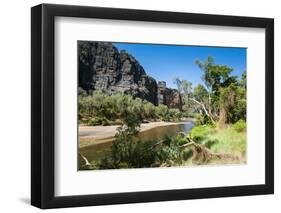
(204, 108)
(203, 154)
(87, 163)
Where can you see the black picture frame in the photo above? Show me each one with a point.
(43, 111)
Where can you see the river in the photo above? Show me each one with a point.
(98, 151)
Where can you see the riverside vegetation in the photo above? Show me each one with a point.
(218, 107)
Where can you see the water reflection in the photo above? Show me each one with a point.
(97, 151)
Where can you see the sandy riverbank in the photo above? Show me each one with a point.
(90, 135)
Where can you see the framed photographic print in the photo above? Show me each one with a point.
(139, 106)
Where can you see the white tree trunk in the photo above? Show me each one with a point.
(204, 108)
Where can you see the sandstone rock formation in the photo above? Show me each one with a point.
(169, 97)
(103, 67)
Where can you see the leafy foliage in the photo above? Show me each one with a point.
(221, 100)
(128, 153)
(240, 126)
(102, 109)
(199, 132)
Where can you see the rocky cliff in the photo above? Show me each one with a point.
(103, 67)
(168, 96)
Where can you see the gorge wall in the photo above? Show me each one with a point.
(103, 67)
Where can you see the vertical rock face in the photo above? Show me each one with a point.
(169, 97)
(173, 98)
(103, 67)
(161, 92)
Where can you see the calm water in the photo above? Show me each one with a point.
(96, 152)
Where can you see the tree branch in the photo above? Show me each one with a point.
(204, 108)
(87, 163)
(203, 154)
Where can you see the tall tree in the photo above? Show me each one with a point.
(205, 66)
(206, 77)
(215, 77)
(177, 81)
(186, 89)
(200, 93)
(243, 81)
(187, 93)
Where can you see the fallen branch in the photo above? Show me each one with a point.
(87, 163)
(203, 154)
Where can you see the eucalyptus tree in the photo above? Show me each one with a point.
(216, 79)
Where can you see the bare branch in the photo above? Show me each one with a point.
(87, 163)
(204, 108)
(203, 154)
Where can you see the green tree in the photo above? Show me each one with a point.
(200, 93)
(218, 80)
(177, 81)
(205, 66)
(219, 77)
(186, 87)
(243, 81)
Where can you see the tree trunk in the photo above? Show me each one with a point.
(203, 155)
(204, 109)
(223, 117)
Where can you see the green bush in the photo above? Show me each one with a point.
(240, 126)
(102, 109)
(170, 154)
(198, 133)
(115, 122)
(166, 114)
(98, 121)
(93, 122)
(202, 119)
(127, 153)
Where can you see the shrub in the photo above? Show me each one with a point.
(93, 122)
(115, 122)
(240, 126)
(106, 163)
(98, 121)
(126, 153)
(198, 133)
(166, 114)
(103, 109)
(170, 151)
(202, 119)
(162, 112)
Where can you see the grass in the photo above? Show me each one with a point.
(227, 140)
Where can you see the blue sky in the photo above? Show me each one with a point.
(166, 62)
